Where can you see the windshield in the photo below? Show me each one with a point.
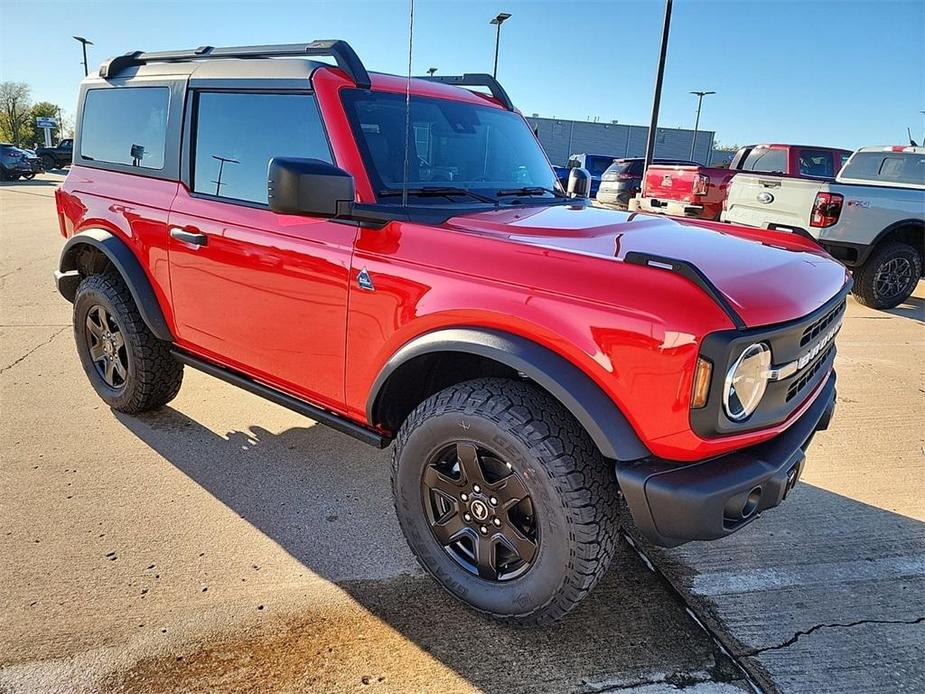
(453, 145)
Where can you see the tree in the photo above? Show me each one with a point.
(15, 111)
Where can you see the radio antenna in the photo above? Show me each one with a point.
(404, 182)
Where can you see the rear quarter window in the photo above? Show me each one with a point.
(125, 125)
(890, 167)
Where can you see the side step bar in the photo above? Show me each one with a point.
(335, 421)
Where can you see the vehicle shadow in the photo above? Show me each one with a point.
(913, 307)
(326, 500)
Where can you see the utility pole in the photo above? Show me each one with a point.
(657, 98)
(498, 21)
(84, 42)
(699, 96)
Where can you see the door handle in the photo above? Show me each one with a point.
(193, 238)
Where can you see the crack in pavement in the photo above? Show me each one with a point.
(806, 632)
(41, 344)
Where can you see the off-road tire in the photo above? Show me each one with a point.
(49, 163)
(577, 515)
(154, 376)
(865, 286)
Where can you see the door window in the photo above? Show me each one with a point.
(237, 134)
(815, 162)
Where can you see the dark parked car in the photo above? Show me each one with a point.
(623, 179)
(16, 163)
(56, 157)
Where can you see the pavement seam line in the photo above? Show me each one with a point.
(750, 678)
(31, 351)
(806, 632)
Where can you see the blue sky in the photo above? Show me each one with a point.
(816, 72)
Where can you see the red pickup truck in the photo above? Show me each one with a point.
(700, 191)
(528, 357)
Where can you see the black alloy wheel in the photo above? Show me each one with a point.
(480, 511)
(894, 278)
(107, 347)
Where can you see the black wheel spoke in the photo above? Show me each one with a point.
(93, 328)
(510, 491)
(469, 463)
(517, 542)
(449, 529)
(485, 557)
(96, 351)
(108, 372)
(434, 479)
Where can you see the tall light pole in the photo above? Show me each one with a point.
(498, 21)
(699, 96)
(657, 98)
(84, 42)
(431, 71)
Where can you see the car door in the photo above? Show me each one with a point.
(261, 292)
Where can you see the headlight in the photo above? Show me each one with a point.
(746, 382)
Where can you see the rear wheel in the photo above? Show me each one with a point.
(889, 276)
(130, 369)
(505, 500)
(49, 162)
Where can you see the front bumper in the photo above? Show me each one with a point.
(674, 503)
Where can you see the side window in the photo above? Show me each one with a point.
(814, 162)
(767, 160)
(125, 125)
(843, 159)
(236, 135)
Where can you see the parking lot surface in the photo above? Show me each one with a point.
(224, 542)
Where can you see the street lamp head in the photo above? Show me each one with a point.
(501, 18)
(702, 93)
(83, 40)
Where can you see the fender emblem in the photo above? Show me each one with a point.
(365, 281)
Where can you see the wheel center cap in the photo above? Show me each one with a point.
(479, 509)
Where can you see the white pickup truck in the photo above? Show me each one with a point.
(871, 217)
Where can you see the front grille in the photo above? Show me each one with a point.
(819, 326)
(807, 374)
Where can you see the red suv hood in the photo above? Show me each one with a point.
(768, 276)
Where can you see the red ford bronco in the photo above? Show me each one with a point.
(395, 258)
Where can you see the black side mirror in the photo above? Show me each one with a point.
(309, 187)
(579, 183)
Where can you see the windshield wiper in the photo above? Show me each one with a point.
(529, 190)
(439, 192)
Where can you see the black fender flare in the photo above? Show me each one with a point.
(123, 259)
(594, 410)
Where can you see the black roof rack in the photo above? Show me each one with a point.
(474, 79)
(345, 57)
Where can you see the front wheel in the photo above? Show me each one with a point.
(505, 500)
(28, 176)
(889, 276)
